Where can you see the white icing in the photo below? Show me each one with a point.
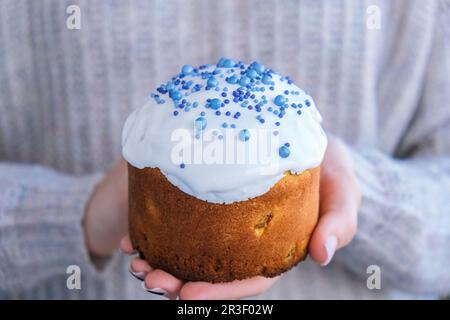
(147, 141)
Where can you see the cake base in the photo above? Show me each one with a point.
(200, 241)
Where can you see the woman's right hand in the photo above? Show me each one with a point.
(160, 282)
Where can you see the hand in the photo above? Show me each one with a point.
(106, 217)
(160, 282)
(340, 198)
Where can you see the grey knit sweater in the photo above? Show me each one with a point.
(64, 95)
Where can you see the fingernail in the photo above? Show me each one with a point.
(158, 291)
(137, 275)
(127, 253)
(330, 246)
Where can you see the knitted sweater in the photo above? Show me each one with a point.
(64, 96)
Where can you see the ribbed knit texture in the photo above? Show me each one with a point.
(64, 96)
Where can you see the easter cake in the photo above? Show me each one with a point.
(224, 167)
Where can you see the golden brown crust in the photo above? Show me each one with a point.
(200, 241)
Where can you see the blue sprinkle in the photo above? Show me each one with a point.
(286, 92)
(182, 166)
(212, 82)
(307, 103)
(224, 125)
(175, 113)
(195, 104)
(258, 67)
(284, 151)
(218, 113)
(266, 79)
(224, 94)
(175, 95)
(287, 144)
(251, 73)
(279, 100)
(226, 101)
(225, 63)
(233, 126)
(187, 69)
(232, 80)
(299, 112)
(202, 113)
(272, 88)
(219, 64)
(277, 123)
(162, 89)
(244, 81)
(200, 123)
(237, 115)
(228, 63)
(170, 86)
(228, 113)
(215, 104)
(262, 120)
(244, 135)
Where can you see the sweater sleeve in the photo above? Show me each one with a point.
(404, 220)
(41, 234)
